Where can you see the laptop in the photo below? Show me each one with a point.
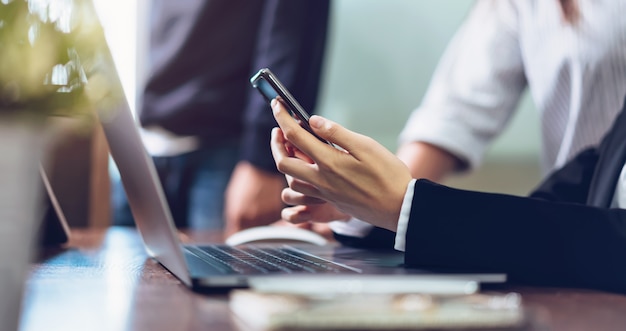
(206, 267)
(217, 266)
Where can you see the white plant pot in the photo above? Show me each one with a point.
(21, 147)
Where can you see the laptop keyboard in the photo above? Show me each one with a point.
(264, 260)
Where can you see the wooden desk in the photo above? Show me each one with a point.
(104, 281)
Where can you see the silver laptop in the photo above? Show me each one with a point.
(216, 266)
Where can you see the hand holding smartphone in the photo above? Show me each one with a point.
(270, 87)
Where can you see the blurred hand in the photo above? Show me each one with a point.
(320, 228)
(309, 209)
(364, 179)
(252, 198)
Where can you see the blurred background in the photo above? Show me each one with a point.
(379, 61)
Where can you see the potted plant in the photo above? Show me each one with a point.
(53, 62)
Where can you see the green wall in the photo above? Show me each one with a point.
(380, 58)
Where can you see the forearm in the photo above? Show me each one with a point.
(428, 161)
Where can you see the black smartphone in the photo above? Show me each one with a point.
(270, 87)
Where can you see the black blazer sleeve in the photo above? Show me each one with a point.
(568, 184)
(535, 241)
(377, 238)
(291, 42)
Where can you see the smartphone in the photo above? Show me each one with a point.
(271, 88)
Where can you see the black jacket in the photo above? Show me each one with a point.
(203, 53)
(564, 234)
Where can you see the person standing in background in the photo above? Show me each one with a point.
(569, 54)
(204, 125)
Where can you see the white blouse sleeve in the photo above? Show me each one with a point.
(476, 86)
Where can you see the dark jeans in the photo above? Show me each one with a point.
(194, 185)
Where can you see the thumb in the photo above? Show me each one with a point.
(350, 141)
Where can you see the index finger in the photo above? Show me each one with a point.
(297, 135)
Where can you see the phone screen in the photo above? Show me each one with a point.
(270, 87)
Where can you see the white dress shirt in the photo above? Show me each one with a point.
(619, 198)
(576, 74)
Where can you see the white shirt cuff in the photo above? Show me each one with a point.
(403, 220)
(351, 228)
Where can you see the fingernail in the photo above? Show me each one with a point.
(274, 102)
(316, 121)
